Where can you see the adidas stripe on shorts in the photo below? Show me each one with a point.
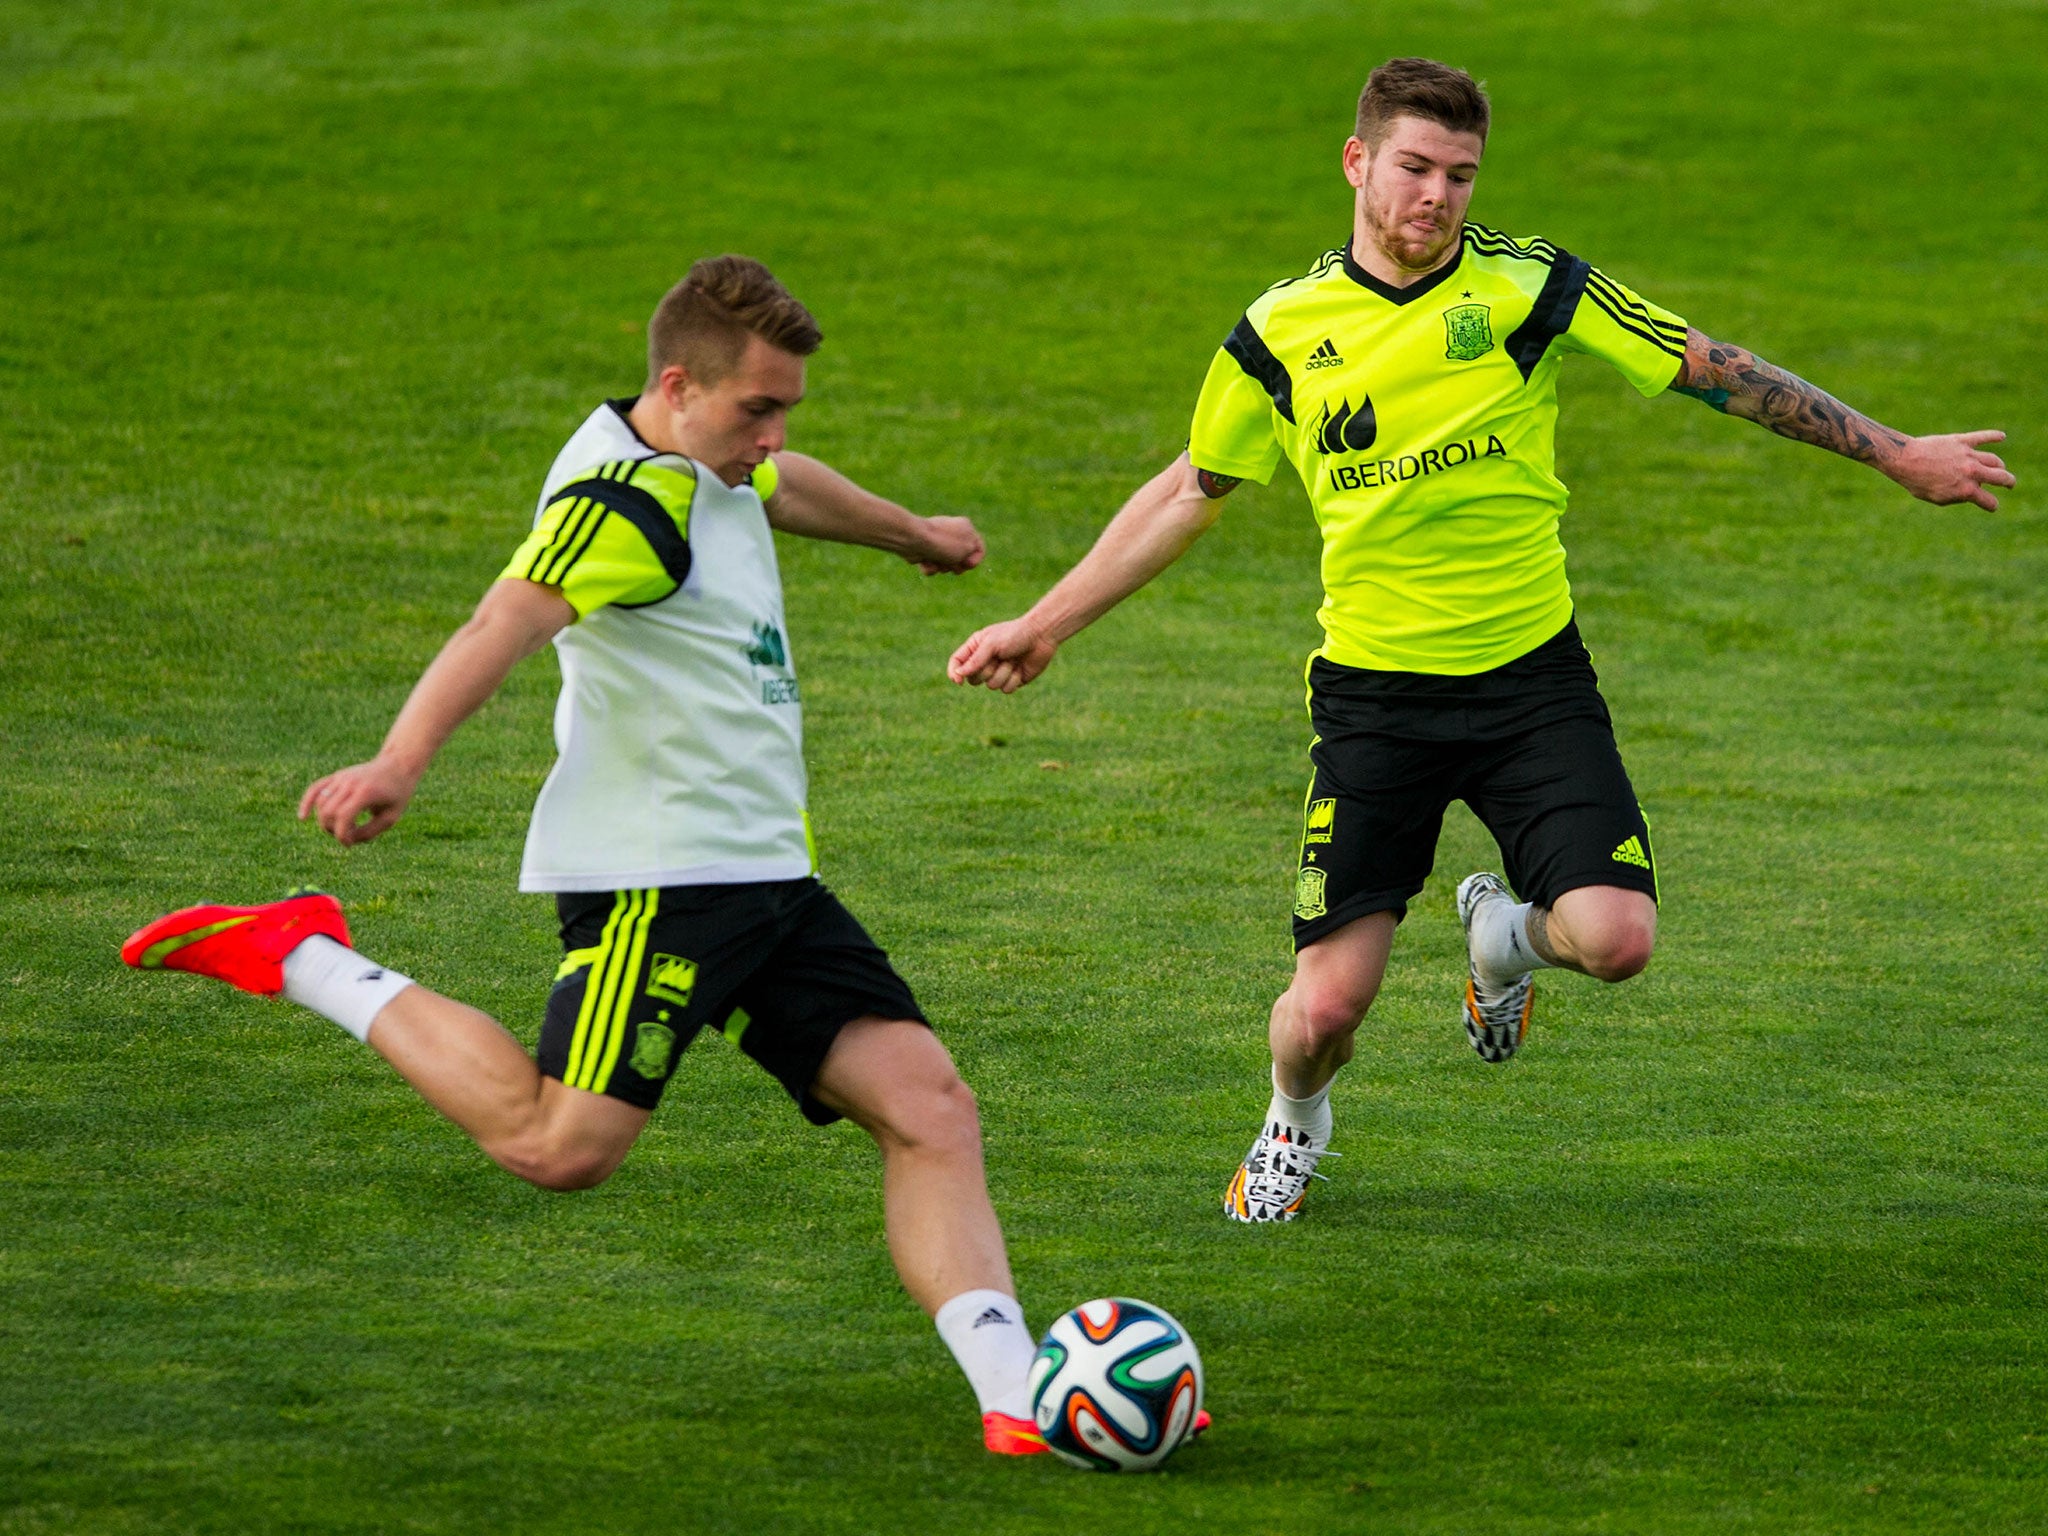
(1529, 746)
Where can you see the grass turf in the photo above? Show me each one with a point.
(298, 303)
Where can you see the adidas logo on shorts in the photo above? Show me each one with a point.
(1631, 852)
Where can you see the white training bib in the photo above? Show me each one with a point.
(679, 729)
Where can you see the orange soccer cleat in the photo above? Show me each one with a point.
(242, 946)
(1009, 1436)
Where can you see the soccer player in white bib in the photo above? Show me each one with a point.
(672, 831)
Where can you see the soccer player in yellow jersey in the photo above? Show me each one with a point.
(1410, 376)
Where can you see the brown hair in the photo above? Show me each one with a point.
(1422, 88)
(704, 321)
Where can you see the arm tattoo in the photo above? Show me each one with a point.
(1215, 485)
(1739, 383)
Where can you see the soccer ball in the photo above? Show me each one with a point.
(1116, 1386)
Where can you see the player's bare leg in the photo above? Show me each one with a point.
(461, 1061)
(893, 1079)
(1312, 1032)
(1603, 931)
(465, 1064)
(1315, 1019)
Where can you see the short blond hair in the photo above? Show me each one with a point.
(704, 321)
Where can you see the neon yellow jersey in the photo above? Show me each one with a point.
(1422, 421)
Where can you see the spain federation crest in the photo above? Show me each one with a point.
(1468, 332)
(1308, 894)
(650, 1050)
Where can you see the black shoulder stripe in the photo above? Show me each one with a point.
(1617, 302)
(577, 521)
(1320, 268)
(640, 508)
(571, 553)
(1634, 324)
(1552, 314)
(1258, 361)
(1491, 242)
(578, 528)
(1602, 283)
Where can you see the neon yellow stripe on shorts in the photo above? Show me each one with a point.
(607, 1011)
(601, 959)
(636, 947)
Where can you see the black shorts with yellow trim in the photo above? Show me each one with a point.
(1529, 746)
(780, 967)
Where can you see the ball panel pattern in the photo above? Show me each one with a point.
(1116, 1385)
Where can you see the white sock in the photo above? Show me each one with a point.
(337, 983)
(1308, 1119)
(1500, 942)
(986, 1332)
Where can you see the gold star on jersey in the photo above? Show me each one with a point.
(1422, 421)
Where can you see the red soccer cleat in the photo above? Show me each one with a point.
(1202, 1422)
(242, 946)
(1008, 1436)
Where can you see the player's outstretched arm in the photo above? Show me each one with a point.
(1943, 469)
(1154, 529)
(815, 500)
(515, 619)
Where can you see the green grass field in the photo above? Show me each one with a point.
(296, 304)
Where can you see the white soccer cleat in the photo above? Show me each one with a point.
(1496, 1018)
(1273, 1178)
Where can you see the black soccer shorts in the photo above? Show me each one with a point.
(1528, 746)
(780, 967)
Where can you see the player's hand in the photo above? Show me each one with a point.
(952, 545)
(1004, 656)
(1953, 468)
(376, 790)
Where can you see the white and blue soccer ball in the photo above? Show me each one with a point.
(1116, 1386)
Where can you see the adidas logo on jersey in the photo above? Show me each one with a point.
(1325, 356)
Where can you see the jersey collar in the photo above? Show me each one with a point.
(1413, 291)
(623, 409)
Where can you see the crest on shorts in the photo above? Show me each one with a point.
(651, 1049)
(672, 979)
(1322, 821)
(1308, 894)
(1468, 333)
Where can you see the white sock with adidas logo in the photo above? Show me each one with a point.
(1501, 948)
(339, 984)
(985, 1330)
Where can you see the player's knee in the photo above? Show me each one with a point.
(948, 1120)
(1619, 950)
(553, 1167)
(937, 1117)
(1329, 1013)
